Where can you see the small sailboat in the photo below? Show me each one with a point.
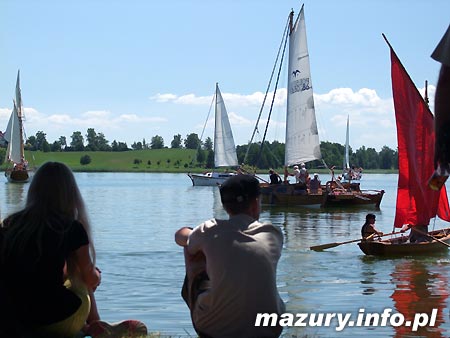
(224, 148)
(349, 174)
(416, 203)
(18, 171)
(347, 192)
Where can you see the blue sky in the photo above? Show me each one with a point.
(136, 69)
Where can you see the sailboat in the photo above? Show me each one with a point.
(224, 148)
(17, 171)
(302, 136)
(416, 203)
(347, 192)
(349, 174)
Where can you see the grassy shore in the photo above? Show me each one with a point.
(150, 160)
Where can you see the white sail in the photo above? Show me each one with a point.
(18, 96)
(346, 155)
(13, 136)
(302, 136)
(224, 148)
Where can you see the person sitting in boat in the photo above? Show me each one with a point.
(274, 177)
(368, 230)
(314, 184)
(303, 176)
(231, 266)
(418, 233)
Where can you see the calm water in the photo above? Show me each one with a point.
(135, 215)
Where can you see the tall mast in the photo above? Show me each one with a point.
(20, 115)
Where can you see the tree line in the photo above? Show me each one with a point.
(268, 155)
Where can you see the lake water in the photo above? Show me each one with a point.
(135, 215)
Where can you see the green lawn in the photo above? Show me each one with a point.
(150, 160)
(157, 160)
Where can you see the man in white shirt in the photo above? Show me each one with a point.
(231, 266)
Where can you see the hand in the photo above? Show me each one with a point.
(99, 276)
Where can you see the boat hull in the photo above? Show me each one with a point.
(290, 195)
(400, 247)
(209, 179)
(17, 176)
(355, 198)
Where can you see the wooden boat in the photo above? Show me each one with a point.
(347, 191)
(400, 246)
(17, 171)
(416, 202)
(350, 194)
(224, 148)
(291, 195)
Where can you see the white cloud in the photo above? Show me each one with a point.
(372, 120)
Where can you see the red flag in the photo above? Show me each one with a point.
(416, 202)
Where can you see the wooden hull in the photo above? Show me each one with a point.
(209, 179)
(17, 176)
(400, 247)
(355, 198)
(290, 195)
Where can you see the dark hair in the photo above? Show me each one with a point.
(370, 216)
(238, 192)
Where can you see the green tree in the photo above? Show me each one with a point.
(122, 146)
(200, 156)
(63, 142)
(387, 158)
(31, 143)
(91, 139)
(77, 143)
(176, 142)
(136, 146)
(192, 141)
(157, 142)
(210, 159)
(102, 142)
(41, 142)
(85, 159)
(208, 144)
(56, 146)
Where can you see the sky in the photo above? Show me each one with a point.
(135, 69)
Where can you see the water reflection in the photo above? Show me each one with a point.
(14, 196)
(418, 290)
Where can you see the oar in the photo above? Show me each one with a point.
(332, 245)
(431, 236)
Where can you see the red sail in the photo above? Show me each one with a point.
(416, 202)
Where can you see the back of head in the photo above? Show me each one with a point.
(238, 192)
(369, 217)
(54, 189)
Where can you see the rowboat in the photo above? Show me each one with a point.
(416, 202)
(400, 246)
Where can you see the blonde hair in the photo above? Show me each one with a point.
(53, 192)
